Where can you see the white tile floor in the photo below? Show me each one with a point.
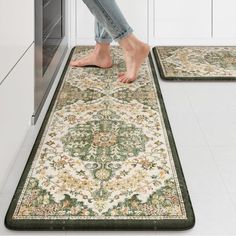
(203, 121)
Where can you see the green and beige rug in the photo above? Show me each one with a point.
(196, 63)
(105, 157)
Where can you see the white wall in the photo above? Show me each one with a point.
(224, 19)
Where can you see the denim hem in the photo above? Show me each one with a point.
(124, 34)
(103, 40)
(108, 16)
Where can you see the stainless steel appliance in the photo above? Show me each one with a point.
(50, 47)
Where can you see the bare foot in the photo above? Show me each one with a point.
(134, 59)
(100, 57)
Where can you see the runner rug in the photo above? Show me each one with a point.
(196, 63)
(105, 157)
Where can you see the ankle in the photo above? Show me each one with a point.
(102, 50)
(127, 44)
(102, 46)
(130, 44)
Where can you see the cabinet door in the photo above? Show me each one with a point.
(182, 18)
(16, 109)
(224, 18)
(17, 32)
(134, 11)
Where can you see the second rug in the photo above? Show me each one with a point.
(196, 62)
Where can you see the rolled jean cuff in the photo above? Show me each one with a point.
(124, 34)
(103, 40)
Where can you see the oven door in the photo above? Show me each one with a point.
(50, 47)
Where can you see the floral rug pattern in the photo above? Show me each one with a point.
(196, 62)
(104, 153)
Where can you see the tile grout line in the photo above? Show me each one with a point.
(227, 190)
(212, 154)
(190, 105)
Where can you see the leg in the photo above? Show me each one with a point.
(135, 52)
(105, 31)
(100, 56)
(101, 35)
(110, 17)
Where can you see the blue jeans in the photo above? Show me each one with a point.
(110, 24)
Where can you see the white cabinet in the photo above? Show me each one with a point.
(136, 13)
(182, 18)
(224, 19)
(168, 22)
(17, 32)
(16, 109)
(192, 22)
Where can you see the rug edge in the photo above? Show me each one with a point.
(177, 162)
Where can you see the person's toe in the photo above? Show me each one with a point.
(74, 63)
(121, 74)
(129, 80)
(125, 79)
(121, 78)
(79, 63)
